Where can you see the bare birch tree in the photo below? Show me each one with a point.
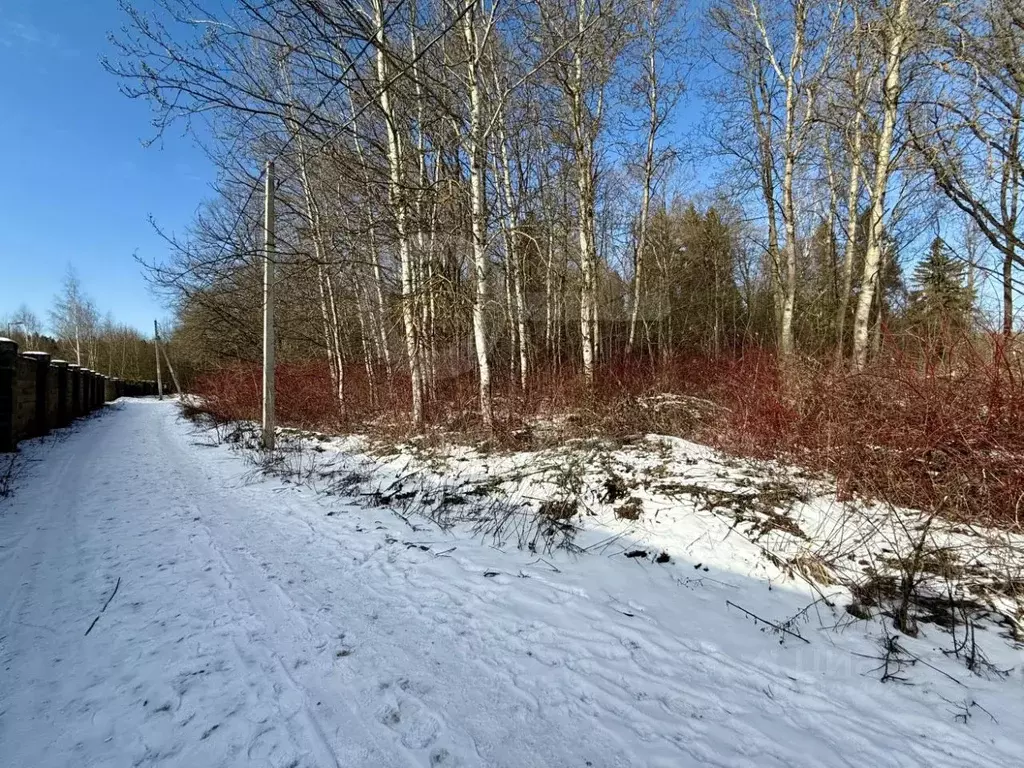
(895, 33)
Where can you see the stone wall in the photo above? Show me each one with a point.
(38, 394)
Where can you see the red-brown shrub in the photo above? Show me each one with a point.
(943, 434)
(304, 394)
(947, 436)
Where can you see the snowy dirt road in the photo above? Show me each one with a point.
(256, 624)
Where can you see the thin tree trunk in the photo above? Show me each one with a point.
(396, 198)
(876, 327)
(371, 236)
(327, 309)
(585, 190)
(477, 173)
(852, 214)
(763, 126)
(873, 256)
(645, 203)
(515, 262)
(1009, 197)
(338, 349)
(789, 166)
(365, 314)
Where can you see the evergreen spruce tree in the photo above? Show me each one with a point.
(941, 299)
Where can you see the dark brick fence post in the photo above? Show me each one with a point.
(8, 376)
(86, 391)
(60, 370)
(40, 422)
(75, 387)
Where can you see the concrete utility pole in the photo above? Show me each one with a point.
(156, 346)
(174, 376)
(268, 311)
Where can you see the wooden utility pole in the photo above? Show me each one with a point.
(156, 347)
(268, 311)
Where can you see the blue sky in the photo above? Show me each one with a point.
(79, 184)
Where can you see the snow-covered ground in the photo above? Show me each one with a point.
(163, 604)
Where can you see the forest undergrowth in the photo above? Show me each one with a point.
(944, 437)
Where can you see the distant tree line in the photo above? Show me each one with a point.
(76, 332)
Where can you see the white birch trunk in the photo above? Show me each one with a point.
(515, 261)
(477, 172)
(585, 191)
(396, 198)
(883, 150)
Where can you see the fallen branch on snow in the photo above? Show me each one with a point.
(118, 584)
(772, 624)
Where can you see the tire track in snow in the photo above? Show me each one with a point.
(288, 638)
(240, 600)
(396, 639)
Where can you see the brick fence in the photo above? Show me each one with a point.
(38, 394)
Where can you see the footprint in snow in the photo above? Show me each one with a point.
(266, 745)
(415, 726)
(411, 686)
(442, 757)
